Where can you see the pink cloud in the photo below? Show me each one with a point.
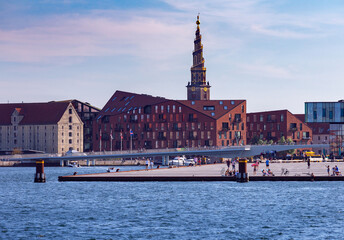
(94, 35)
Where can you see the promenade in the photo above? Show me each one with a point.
(213, 172)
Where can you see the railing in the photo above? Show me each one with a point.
(146, 150)
(193, 119)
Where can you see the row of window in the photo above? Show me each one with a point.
(269, 118)
(157, 135)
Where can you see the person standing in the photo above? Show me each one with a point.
(267, 163)
(233, 165)
(328, 170)
(147, 164)
(228, 163)
(195, 161)
(309, 162)
(152, 164)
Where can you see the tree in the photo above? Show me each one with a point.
(254, 140)
(282, 140)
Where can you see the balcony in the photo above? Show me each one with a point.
(237, 120)
(193, 119)
(118, 129)
(147, 129)
(192, 138)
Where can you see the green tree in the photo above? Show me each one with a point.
(282, 140)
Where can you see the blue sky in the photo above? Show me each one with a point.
(274, 54)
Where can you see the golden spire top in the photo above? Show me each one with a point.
(198, 22)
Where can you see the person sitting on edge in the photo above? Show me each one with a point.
(264, 172)
(270, 173)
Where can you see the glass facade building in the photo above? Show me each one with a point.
(332, 113)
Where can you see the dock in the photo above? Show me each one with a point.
(298, 171)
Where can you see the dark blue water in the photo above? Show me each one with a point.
(166, 210)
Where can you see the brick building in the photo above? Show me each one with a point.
(135, 121)
(157, 122)
(272, 125)
(52, 127)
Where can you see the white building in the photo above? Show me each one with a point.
(52, 127)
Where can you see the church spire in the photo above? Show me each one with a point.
(198, 89)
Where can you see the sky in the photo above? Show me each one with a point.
(275, 54)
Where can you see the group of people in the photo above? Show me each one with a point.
(149, 163)
(267, 172)
(335, 171)
(231, 163)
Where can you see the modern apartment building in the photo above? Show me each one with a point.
(331, 113)
(138, 121)
(272, 125)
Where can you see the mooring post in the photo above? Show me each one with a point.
(40, 175)
(242, 175)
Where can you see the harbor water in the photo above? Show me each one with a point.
(166, 210)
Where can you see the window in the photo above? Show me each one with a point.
(209, 108)
(70, 119)
(282, 118)
(70, 141)
(324, 112)
(193, 103)
(261, 118)
(70, 134)
(232, 102)
(331, 114)
(315, 115)
(221, 102)
(225, 107)
(70, 127)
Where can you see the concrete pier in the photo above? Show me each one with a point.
(216, 172)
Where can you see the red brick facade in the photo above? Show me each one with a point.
(162, 123)
(272, 125)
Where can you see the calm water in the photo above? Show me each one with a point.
(166, 210)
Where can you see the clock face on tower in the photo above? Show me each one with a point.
(205, 89)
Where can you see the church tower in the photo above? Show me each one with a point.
(198, 88)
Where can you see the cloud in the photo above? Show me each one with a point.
(266, 71)
(261, 17)
(95, 35)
